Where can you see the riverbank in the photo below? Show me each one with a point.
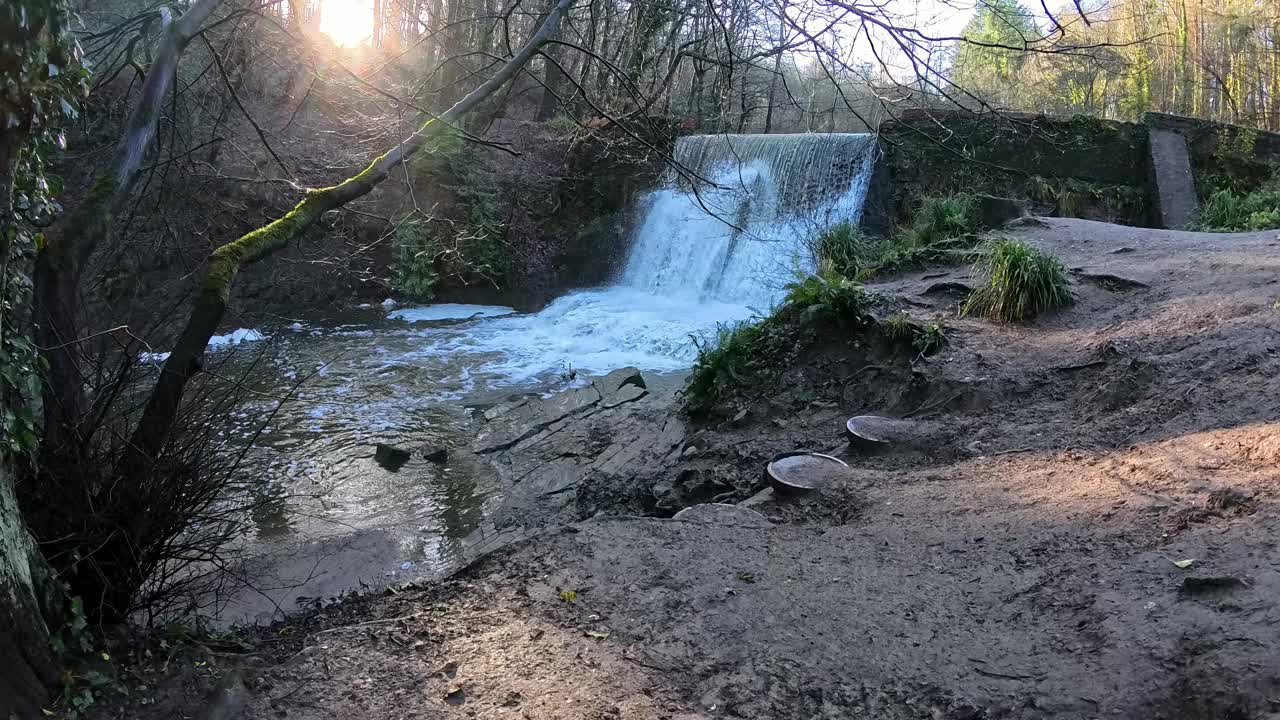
(1086, 531)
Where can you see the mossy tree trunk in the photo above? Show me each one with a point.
(25, 658)
(29, 668)
(225, 262)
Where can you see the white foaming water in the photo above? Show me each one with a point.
(743, 237)
(713, 250)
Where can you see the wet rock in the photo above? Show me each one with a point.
(436, 454)
(949, 288)
(663, 491)
(585, 451)
(513, 422)
(390, 457)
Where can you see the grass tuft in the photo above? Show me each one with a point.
(842, 248)
(1022, 282)
(939, 218)
(898, 327)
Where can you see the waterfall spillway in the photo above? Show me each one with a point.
(716, 244)
(735, 223)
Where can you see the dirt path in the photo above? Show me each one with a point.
(1019, 563)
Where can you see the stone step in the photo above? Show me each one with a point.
(1175, 185)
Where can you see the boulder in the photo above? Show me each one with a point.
(994, 212)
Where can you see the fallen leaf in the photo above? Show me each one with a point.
(568, 596)
(1183, 564)
(596, 634)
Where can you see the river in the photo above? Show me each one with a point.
(329, 517)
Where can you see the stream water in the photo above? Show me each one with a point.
(330, 518)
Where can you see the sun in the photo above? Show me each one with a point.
(347, 22)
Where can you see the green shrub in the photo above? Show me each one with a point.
(1022, 282)
(563, 123)
(724, 362)
(842, 297)
(929, 339)
(942, 229)
(414, 251)
(923, 339)
(1227, 210)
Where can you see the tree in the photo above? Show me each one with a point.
(225, 262)
(987, 63)
(43, 80)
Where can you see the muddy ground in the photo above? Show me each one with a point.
(1023, 555)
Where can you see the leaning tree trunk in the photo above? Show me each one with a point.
(225, 262)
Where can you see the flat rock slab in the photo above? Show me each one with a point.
(511, 422)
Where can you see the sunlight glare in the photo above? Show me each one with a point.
(347, 22)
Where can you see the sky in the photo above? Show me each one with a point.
(350, 22)
(347, 22)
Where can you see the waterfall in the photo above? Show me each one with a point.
(740, 228)
(716, 245)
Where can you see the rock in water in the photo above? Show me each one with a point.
(390, 457)
(436, 454)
